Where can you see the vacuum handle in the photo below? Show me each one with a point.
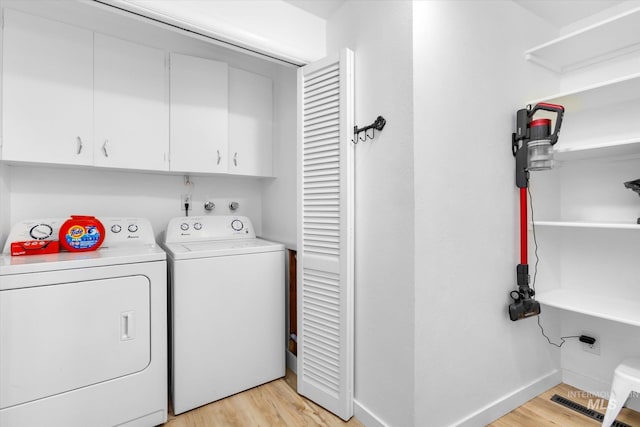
(554, 108)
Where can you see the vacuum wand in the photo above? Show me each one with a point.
(531, 145)
(523, 303)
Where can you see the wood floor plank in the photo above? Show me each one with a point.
(275, 404)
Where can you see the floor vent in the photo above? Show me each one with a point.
(584, 410)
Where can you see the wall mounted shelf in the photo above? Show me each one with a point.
(614, 91)
(615, 308)
(598, 42)
(599, 149)
(584, 224)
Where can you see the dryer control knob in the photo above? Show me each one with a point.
(197, 226)
(237, 225)
(132, 228)
(184, 226)
(115, 228)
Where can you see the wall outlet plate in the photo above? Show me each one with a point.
(591, 348)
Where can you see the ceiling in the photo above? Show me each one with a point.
(558, 12)
(321, 8)
(564, 12)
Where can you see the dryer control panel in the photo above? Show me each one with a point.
(119, 231)
(127, 232)
(199, 228)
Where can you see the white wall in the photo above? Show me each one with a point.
(472, 363)
(279, 195)
(380, 34)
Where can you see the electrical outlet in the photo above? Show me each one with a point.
(591, 348)
(184, 199)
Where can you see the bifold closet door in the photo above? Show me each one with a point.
(325, 233)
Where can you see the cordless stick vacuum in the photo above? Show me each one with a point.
(531, 145)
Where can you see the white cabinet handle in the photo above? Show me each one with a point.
(104, 148)
(219, 158)
(235, 159)
(79, 145)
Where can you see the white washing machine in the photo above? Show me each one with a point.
(83, 335)
(227, 299)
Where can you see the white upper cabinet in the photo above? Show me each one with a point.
(250, 123)
(73, 96)
(47, 91)
(131, 105)
(199, 114)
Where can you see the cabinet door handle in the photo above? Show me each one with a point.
(219, 158)
(79, 145)
(235, 159)
(104, 148)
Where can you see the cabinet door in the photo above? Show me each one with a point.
(199, 114)
(47, 91)
(250, 123)
(131, 108)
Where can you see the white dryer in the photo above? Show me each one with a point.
(83, 336)
(227, 299)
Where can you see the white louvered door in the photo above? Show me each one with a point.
(325, 233)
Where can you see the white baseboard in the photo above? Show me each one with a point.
(365, 416)
(292, 362)
(511, 401)
(591, 385)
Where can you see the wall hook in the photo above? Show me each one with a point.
(378, 125)
(373, 134)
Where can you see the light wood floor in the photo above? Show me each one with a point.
(275, 404)
(542, 412)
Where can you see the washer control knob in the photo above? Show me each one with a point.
(184, 226)
(197, 226)
(237, 225)
(115, 228)
(132, 228)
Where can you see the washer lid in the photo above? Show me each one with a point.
(206, 249)
(70, 260)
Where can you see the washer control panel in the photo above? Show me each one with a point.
(218, 227)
